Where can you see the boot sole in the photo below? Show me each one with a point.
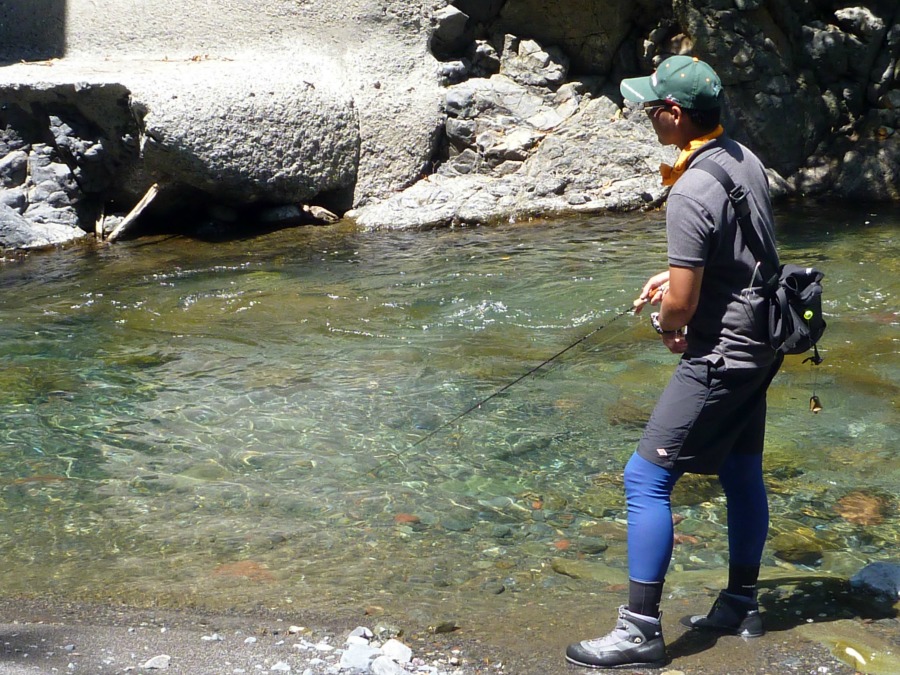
(652, 664)
(719, 630)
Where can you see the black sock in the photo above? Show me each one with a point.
(742, 580)
(644, 598)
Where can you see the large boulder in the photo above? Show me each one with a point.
(262, 103)
(398, 101)
(232, 132)
(280, 131)
(590, 161)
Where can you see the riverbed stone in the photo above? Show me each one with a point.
(796, 547)
(590, 545)
(589, 571)
(457, 523)
(881, 579)
(14, 168)
(594, 153)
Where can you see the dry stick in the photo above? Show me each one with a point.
(134, 213)
(98, 224)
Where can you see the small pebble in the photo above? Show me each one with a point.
(160, 662)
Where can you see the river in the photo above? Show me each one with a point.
(240, 424)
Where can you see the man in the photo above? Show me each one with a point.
(711, 417)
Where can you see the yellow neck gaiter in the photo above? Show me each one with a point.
(670, 174)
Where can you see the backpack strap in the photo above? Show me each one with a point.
(738, 199)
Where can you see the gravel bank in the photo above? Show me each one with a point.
(40, 637)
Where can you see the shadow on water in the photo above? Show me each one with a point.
(32, 31)
(789, 602)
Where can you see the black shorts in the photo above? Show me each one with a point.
(706, 412)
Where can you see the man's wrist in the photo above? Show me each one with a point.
(654, 321)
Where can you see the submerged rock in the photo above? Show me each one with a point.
(881, 579)
(589, 571)
(862, 508)
(852, 644)
(798, 548)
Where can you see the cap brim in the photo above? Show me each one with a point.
(637, 89)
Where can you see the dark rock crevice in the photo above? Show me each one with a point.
(814, 88)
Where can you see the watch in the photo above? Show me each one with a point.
(654, 321)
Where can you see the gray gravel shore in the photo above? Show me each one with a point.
(41, 637)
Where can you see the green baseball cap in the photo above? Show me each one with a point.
(683, 80)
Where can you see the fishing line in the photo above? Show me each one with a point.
(509, 385)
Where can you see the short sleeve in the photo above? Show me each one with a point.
(689, 230)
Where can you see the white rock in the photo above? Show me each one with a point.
(361, 631)
(397, 651)
(160, 662)
(384, 665)
(359, 657)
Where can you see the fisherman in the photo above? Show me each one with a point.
(711, 417)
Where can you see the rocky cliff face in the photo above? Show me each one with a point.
(420, 114)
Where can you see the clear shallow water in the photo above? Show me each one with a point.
(235, 424)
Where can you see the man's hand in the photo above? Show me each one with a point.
(654, 290)
(675, 342)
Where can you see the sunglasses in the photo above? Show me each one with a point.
(651, 110)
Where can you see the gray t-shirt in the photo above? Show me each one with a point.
(702, 231)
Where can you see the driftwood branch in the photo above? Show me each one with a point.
(98, 224)
(132, 216)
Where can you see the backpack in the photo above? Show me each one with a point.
(794, 293)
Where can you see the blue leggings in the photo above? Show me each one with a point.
(648, 489)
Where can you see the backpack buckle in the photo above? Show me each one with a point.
(737, 194)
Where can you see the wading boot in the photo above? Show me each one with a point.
(731, 615)
(635, 642)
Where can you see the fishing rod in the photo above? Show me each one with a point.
(633, 308)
